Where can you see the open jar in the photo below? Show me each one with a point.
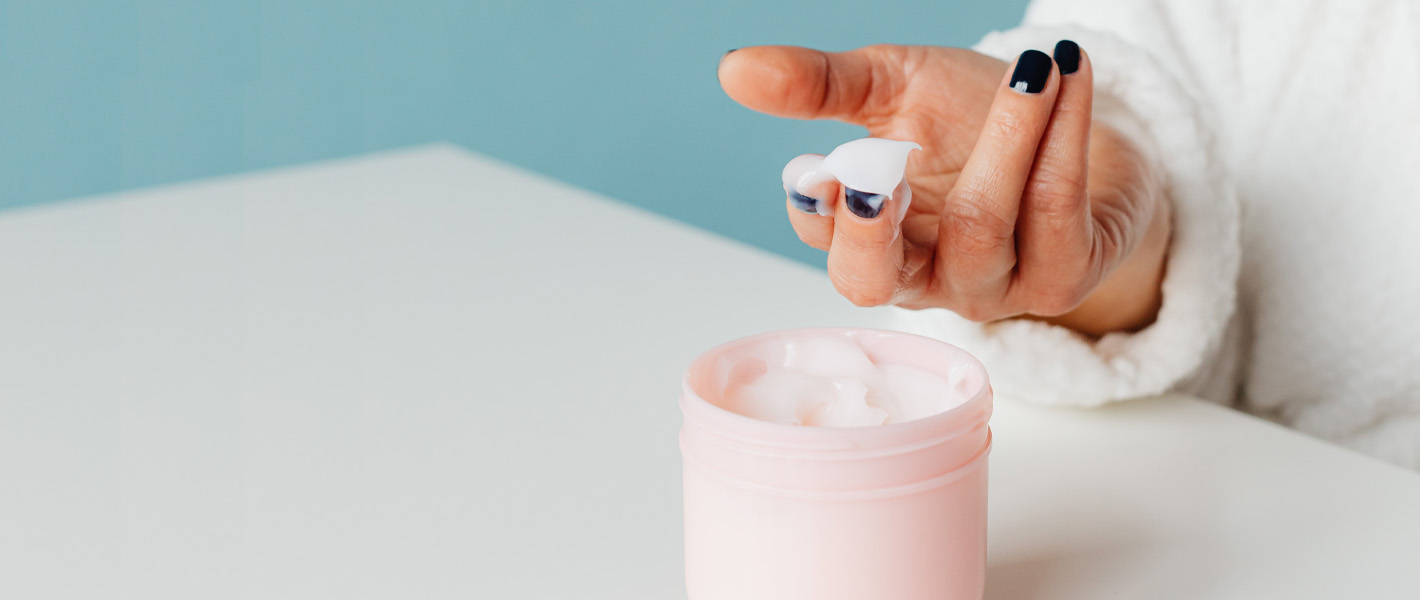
(778, 511)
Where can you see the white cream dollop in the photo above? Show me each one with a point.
(804, 171)
(872, 165)
(828, 380)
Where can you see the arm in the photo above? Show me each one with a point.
(1139, 337)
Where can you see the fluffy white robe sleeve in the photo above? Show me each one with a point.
(1145, 93)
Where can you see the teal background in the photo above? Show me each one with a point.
(618, 97)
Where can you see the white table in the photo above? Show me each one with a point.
(427, 375)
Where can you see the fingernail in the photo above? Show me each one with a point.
(802, 202)
(722, 61)
(864, 204)
(1032, 71)
(1067, 55)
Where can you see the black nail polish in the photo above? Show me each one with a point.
(1032, 71)
(864, 204)
(1067, 55)
(804, 203)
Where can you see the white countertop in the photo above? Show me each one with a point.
(427, 375)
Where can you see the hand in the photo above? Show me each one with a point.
(1021, 204)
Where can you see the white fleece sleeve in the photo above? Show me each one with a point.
(1168, 120)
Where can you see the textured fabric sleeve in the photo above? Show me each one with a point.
(1148, 99)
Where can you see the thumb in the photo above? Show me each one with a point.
(802, 83)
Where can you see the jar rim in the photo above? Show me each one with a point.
(778, 439)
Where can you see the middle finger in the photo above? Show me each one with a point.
(976, 234)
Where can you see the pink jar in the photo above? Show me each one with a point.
(785, 512)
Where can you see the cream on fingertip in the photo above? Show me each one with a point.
(872, 165)
(808, 185)
(872, 170)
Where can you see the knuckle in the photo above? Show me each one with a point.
(974, 229)
(1072, 110)
(1053, 184)
(1009, 126)
(1053, 207)
(869, 245)
(864, 242)
(797, 83)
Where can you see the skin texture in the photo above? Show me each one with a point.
(1022, 206)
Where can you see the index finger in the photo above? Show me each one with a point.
(803, 83)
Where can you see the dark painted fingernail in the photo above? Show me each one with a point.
(802, 202)
(864, 204)
(1067, 55)
(1032, 71)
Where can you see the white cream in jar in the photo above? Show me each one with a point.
(829, 380)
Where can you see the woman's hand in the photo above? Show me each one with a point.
(1021, 205)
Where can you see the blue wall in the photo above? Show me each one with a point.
(619, 97)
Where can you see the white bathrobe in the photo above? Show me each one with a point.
(1290, 136)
